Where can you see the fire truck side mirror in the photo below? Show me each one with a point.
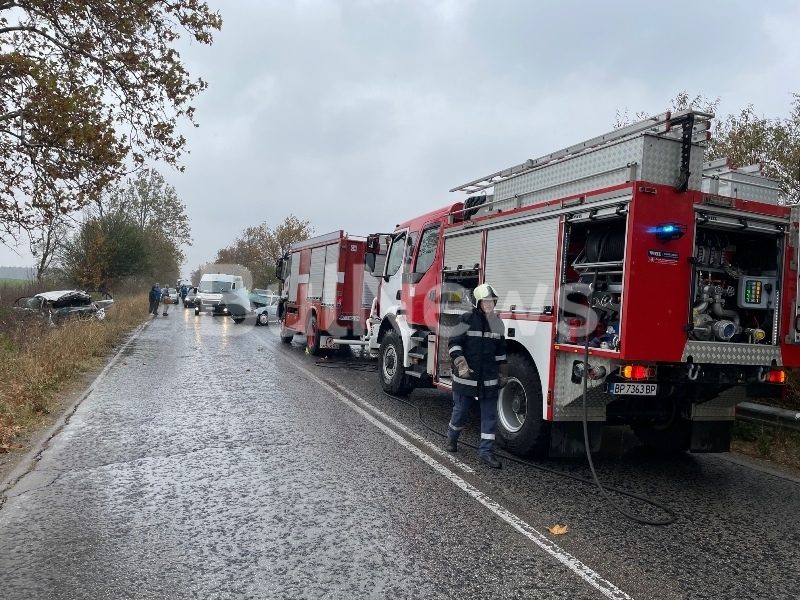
(369, 263)
(279, 269)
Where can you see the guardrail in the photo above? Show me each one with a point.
(768, 415)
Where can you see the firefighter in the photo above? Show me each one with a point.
(480, 370)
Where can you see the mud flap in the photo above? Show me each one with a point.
(566, 438)
(711, 436)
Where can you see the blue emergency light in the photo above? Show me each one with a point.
(667, 232)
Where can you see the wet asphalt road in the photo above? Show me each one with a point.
(212, 461)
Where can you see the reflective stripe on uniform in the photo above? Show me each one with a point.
(454, 348)
(490, 382)
(451, 426)
(489, 334)
(499, 358)
(487, 436)
(464, 381)
(475, 333)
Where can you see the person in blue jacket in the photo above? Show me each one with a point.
(158, 299)
(478, 350)
(153, 303)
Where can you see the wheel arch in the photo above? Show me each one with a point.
(388, 323)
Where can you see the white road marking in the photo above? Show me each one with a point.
(608, 589)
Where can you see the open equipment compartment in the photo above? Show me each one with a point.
(736, 280)
(594, 256)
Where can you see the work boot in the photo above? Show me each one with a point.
(452, 445)
(491, 461)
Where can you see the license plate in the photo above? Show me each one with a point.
(632, 389)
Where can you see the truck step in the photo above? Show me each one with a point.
(417, 374)
(420, 339)
(418, 355)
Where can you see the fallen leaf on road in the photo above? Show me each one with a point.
(558, 529)
(246, 370)
(261, 348)
(124, 363)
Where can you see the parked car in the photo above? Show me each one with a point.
(191, 298)
(172, 293)
(60, 306)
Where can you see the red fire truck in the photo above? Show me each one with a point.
(677, 278)
(326, 296)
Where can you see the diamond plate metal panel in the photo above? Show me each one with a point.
(658, 162)
(568, 396)
(750, 187)
(661, 160)
(599, 168)
(725, 353)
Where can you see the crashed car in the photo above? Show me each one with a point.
(63, 305)
(268, 312)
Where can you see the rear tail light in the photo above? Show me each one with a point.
(776, 377)
(638, 372)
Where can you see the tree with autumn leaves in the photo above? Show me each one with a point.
(259, 247)
(135, 235)
(89, 91)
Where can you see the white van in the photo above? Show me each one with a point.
(223, 294)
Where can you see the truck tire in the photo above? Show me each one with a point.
(312, 336)
(390, 365)
(262, 319)
(521, 430)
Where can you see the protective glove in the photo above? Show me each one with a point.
(462, 367)
(503, 375)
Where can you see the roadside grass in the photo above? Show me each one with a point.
(37, 362)
(771, 443)
(781, 446)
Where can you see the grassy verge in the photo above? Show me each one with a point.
(780, 446)
(769, 443)
(38, 362)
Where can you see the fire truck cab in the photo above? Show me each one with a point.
(665, 285)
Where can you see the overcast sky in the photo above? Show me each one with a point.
(359, 114)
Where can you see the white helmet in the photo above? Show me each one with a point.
(484, 292)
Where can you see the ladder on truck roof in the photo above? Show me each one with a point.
(687, 126)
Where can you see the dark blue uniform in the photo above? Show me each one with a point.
(480, 339)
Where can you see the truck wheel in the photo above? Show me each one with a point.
(676, 436)
(262, 319)
(390, 359)
(520, 427)
(312, 336)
